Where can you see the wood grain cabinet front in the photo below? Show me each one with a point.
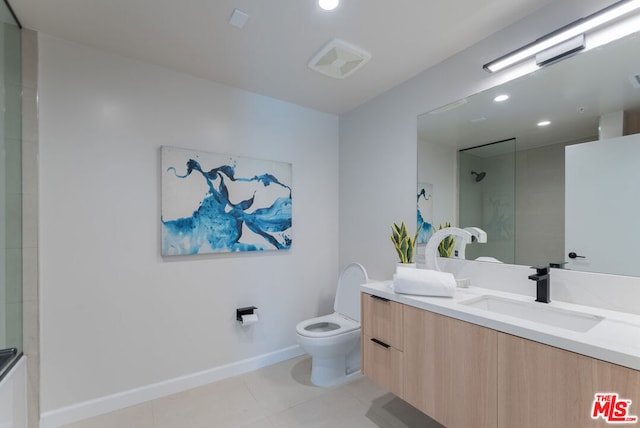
(450, 369)
(384, 364)
(464, 375)
(382, 320)
(540, 386)
(382, 340)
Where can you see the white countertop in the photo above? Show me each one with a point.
(615, 339)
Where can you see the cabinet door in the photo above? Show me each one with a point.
(450, 369)
(554, 387)
(600, 377)
(382, 319)
(537, 385)
(383, 364)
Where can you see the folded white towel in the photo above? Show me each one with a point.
(424, 282)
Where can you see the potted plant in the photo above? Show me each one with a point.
(403, 243)
(445, 248)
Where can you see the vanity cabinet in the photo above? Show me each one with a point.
(450, 369)
(382, 320)
(555, 388)
(382, 342)
(443, 367)
(465, 375)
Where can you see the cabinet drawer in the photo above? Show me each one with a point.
(382, 319)
(383, 364)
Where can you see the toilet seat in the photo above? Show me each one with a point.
(344, 325)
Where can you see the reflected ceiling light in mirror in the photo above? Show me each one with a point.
(544, 123)
(501, 98)
(563, 34)
(328, 4)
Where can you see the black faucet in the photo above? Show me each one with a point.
(542, 279)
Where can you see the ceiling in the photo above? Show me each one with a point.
(269, 55)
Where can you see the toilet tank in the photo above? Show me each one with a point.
(347, 301)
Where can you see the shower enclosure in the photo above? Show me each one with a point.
(10, 190)
(486, 197)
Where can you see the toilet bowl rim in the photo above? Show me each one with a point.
(345, 325)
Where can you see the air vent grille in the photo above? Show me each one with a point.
(338, 59)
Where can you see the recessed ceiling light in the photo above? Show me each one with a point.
(501, 98)
(544, 123)
(328, 4)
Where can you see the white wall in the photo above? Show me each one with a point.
(378, 139)
(114, 314)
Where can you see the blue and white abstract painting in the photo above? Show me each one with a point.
(214, 203)
(425, 212)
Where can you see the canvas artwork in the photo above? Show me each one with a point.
(213, 203)
(425, 212)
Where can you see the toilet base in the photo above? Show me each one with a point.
(328, 372)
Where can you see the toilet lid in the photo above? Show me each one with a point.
(347, 301)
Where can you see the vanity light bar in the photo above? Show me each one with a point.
(565, 33)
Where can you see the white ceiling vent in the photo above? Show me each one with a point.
(338, 59)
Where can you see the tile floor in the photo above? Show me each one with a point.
(279, 396)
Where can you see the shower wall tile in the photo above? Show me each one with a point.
(13, 155)
(13, 237)
(30, 168)
(30, 220)
(33, 390)
(31, 333)
(30, 327)
(29, 59)
(29, 274)
(30, 114)
(13, 290)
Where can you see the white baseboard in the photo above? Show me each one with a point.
(87, 409)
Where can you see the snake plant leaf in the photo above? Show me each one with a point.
(395, 228)
(409, 254)
(398, 250)
(395, 237)
(404, 246)
(403, 229)
(403, 243)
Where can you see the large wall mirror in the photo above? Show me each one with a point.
(565, 192)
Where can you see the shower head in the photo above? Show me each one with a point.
(479, 175)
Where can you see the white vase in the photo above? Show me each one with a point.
(406, 265)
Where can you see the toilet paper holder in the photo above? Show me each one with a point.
(249, 310)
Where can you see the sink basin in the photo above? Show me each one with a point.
(537, 312)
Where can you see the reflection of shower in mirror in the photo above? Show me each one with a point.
(479, 175)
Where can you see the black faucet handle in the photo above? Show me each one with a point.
(557, 265)
(541, 270)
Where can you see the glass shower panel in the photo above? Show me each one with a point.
(10, 187)
(486, 198)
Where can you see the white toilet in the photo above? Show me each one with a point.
(333, 341)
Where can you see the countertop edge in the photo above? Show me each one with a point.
(551, 337)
